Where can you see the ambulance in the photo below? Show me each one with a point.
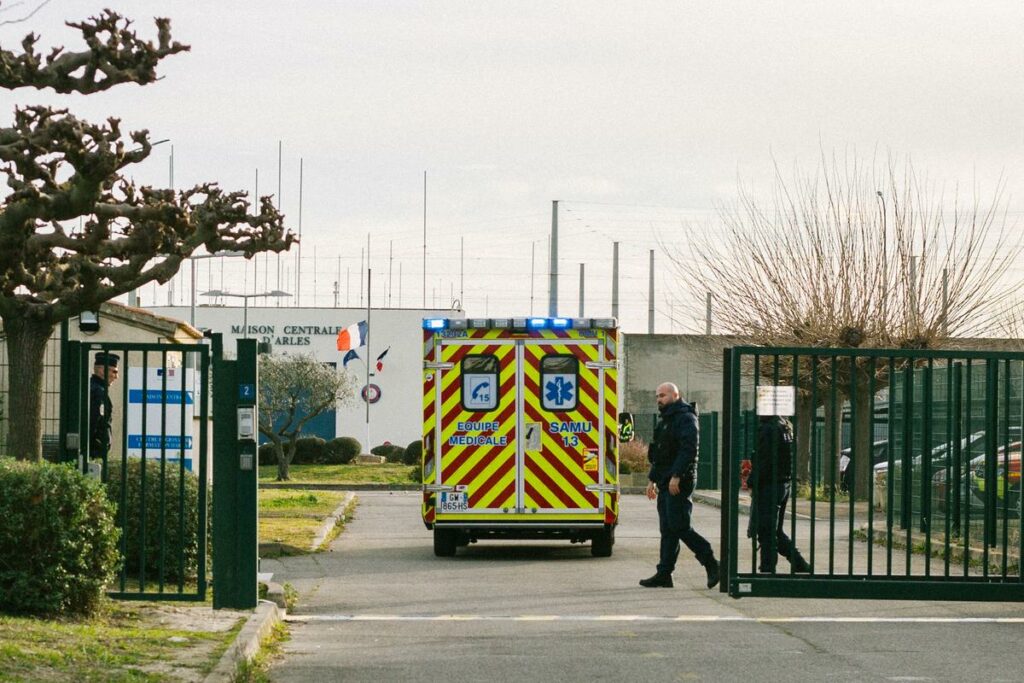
(520, 430)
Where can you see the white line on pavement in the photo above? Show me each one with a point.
(651, 618)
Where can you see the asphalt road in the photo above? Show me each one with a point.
(381, 607)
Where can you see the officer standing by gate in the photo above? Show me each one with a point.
(673, 458)
(104, 373)
(770, 479)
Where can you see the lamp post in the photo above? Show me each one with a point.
(192, 263)
(245, 303)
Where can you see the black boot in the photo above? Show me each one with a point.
(659, 580)
(800, 565)
(711, 567)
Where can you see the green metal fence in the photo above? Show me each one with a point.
(708, 453)
(934, 441)
(156, 467)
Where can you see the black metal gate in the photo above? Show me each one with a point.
(932, 500)
(154, 459)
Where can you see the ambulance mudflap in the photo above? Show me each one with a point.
(520, 431)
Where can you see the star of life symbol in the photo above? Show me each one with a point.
(559, 391)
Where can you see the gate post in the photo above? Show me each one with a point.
(725, 551)
(72, 439)
(235, 552)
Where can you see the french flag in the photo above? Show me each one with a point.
(352, 337)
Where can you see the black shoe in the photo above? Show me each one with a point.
(659, 580)
(712, 569)
(800, 565)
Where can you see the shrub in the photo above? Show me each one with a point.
(633, 457)
(310, 450)
(390, 451)
(340, 451)
(180, 545)
(413, 453)
(267, 454)
(58, 541)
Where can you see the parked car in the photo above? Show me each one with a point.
(970, 446)
(1007, 478)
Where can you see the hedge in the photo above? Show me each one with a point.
(58, 540)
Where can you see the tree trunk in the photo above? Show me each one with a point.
(26, 350)
(282, 461)
(862, 461)
(805, 418)
(829, 472)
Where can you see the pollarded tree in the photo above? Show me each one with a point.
(293, 391)
(852, 256)
(74, 232)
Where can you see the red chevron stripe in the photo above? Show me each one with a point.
(548, 482)
(503, 499)
(480, 492)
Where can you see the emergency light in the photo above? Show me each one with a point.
(536, 323)
(560, 323)
(438, 324)
(435, 323)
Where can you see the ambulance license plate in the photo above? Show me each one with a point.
(454, 501)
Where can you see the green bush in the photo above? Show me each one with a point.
(342, 450)
(180, 545)
(267, 455)
(58, 541)
(390, 451)
(413, 453)
(310, 450)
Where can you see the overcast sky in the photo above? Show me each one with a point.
(640, 117)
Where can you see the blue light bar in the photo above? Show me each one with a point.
(560, 323)
(435, 323)
(536, 323)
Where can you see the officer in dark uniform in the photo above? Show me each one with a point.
(673, 458)
(104, 373)
(770, 484)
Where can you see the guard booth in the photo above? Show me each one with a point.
(936, 514)
(158, 470)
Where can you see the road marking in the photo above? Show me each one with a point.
(651, 618)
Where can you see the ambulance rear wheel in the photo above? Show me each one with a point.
(601, 544)
(445, 542)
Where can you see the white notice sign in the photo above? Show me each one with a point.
(780, 400)
(163, 414)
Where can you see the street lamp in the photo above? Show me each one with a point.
(245, 303)
(192, 262)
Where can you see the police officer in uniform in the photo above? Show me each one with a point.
(673, 458)
(104, 373)
(770, 479)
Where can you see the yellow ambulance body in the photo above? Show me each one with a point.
(520, 430)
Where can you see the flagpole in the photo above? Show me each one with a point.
(367, 389)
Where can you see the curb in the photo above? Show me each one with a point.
(340, 487)
(332, 521)
(247, 642)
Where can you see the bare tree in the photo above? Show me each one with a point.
(852, 255)
(64, 171)
(293, 391)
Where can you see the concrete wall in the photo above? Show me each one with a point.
(398, 415)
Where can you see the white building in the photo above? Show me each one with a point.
(397, 414)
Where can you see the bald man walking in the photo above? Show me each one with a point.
(673, 458)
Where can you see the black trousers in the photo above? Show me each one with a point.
(770, 505)
(674, 514)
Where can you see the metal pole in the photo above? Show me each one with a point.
(945, 302)
(650, 297)
(615, 280)
(366, 399)
(462, 272)
(707, 321)
(553, 281)
(245, 317)
(298, 255)
(391, 263)
(533, 249)
(278, 259)
(192, 308)
(424, 239)
(582, 269)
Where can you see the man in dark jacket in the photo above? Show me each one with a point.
(673, 458)
(104, 373)
(770, 482)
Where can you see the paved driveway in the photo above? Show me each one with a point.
(381, 607)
